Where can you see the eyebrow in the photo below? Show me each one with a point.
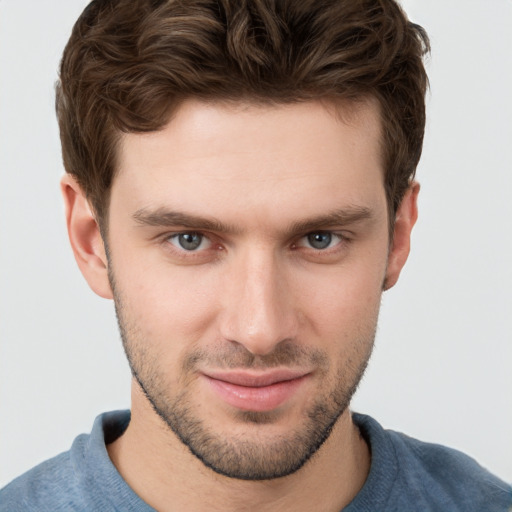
(162, 217)
(336, 218)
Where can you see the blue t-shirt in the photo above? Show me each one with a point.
(406, 475)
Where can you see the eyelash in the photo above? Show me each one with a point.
(198, 253)
(176, 237)
(191, 256)
(331, 234)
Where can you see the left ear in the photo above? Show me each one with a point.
(405, 219)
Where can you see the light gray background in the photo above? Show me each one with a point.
(441, 370)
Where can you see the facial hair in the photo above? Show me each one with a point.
(245, 457)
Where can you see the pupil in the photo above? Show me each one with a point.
(319, 240)
(190, 241)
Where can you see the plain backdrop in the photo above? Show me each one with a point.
(442, 366)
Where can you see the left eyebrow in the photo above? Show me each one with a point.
(337, 218)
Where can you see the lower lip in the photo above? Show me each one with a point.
(257, 399)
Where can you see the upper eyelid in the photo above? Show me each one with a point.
(181, 252)
(185, 232)
(342, 234)
(335, 232)
(323, 231)
(170, 234)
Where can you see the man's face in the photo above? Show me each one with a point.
(247, 253)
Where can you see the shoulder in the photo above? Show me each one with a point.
(82, 478)
(47, 486)
(431, 476)
(452, 476)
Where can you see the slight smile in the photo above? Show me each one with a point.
(260, 392)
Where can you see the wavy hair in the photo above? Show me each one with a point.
(129, 63)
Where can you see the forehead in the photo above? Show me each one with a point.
(230, 122)
(242, 157)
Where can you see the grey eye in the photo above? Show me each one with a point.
(189, 241)
(320, 240)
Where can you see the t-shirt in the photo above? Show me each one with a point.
(406, 475)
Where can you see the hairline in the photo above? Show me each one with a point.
(343, 108)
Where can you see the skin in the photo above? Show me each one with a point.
(254, 296)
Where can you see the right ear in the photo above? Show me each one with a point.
(85, 237)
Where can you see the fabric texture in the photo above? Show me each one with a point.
(405, 475)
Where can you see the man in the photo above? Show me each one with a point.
(240, 182)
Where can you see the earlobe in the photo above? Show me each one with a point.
(405, 219)
(85, 237)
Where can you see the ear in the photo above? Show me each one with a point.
(405, 219)
(85, 237)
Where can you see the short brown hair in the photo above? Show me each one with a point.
(128, 63)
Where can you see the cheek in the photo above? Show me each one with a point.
(167, 305)
(343, 303)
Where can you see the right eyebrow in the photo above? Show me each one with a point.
(162, 217)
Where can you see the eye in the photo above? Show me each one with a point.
(320, 240)
(189, 241)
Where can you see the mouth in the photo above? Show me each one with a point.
(258, 392)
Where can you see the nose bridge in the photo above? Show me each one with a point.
(258, 311)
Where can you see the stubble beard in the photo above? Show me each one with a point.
(243, 457)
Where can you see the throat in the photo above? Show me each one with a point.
(163, 472)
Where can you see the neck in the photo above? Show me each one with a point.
(163, 472)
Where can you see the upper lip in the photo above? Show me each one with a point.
(255, 379)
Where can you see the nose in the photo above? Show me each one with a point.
(258, 306)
